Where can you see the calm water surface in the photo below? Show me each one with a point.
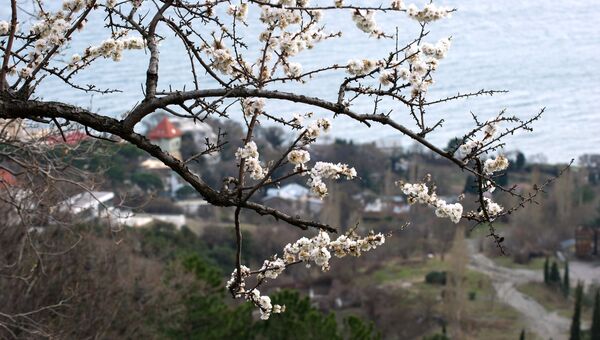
(547, 54)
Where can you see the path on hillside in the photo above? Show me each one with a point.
(546, 324)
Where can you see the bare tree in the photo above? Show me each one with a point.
(226, 75)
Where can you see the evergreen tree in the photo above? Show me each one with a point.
(554, 274)
(595, 331)
(576, 322)
(547, 271)
(522, 336)
(520, 161)
(566, 286)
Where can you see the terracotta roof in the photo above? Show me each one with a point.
(164, 130)
(6, 178)
(71, 138)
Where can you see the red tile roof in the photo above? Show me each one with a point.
(164, 130)
(6, 178)
(71, 138)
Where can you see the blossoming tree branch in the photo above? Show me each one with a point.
(35, 46)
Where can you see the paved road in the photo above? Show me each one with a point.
(546, 324)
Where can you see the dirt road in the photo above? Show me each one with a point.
(548, 325)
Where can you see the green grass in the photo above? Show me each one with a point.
(483, 318)
(552, 299)
(408, 270)
(535, 264)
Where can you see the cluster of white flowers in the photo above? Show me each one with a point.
(496, 164)
(470, 146)
(253, 106)
(397, 4)
(387, 77)
(322, 170)
(298, 118)
(314, 130)
(298, 157)
(423, 59)
(317, 249)
(264, 303)
(293, 70)
(271, 269)
(4, 27)
(291, 44)
(490, 130)
(239, 11)
(365, 21)
(49, 32)
(437, 51)
(280, 17)
(430, 12)
(289, 41)
(249, 153)
(74, 5)
(359, 67)
(354, 245)
(238, 288)
(111, 48)
(112, 3)
(221, 58)
(294, 3)
(493, 209)
(420, 193)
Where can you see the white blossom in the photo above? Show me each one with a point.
(4, 27)
(249, 155)
(239, 11)
(490, 130)
(496, 164)
(430, 12)
(386, 78)
(397, 4)
(420, 193)
(493, 209)
(293, 70)
(359, 67)
(317, 250)
(298, 157)
(253, 106)
(365, 21)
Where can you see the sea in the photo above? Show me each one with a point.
(546, 54)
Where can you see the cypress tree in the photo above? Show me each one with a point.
(576, 322)
(566, 287)
(595, 331)
(554, 274)
(546, 271)
(522, 336)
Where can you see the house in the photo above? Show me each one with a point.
(196, 133)
(70, 138)
(193, 206)
(88, 204)
(7, 179)
(171, 181)
(293, 198)
(167, 136)
(385, 206)
(586, 241)
(142, 220)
